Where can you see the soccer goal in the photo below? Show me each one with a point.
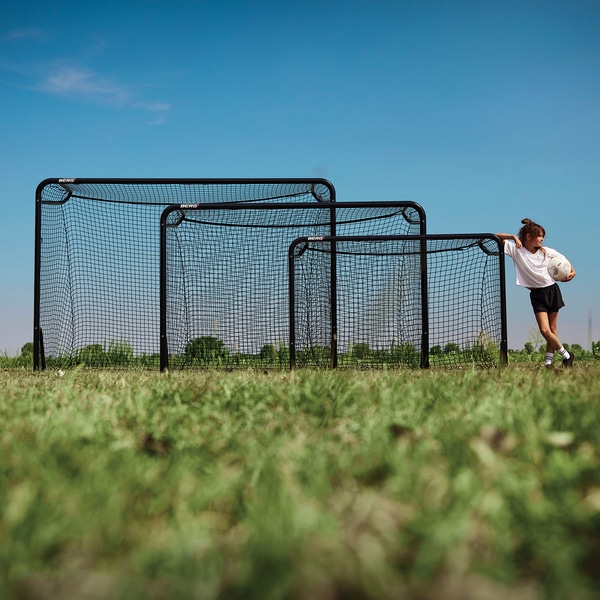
(97, 260)
(224, 275)
(427, 300)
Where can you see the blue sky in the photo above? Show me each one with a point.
(484, 112)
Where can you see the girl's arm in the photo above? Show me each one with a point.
(570, 275)
(509, 236)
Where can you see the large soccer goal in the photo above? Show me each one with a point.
(224, 274)
(97, 259)
(427, 300)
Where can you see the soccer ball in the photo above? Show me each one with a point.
(558, 268)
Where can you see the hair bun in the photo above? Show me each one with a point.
(526, 221)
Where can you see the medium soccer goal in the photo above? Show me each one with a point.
(401, 301)
(224, 275)
(97, 260)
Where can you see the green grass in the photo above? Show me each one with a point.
(467, 484)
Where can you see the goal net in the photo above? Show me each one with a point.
(224, 274)
(428, 301)
(97, 260)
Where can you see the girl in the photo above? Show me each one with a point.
(531, 263)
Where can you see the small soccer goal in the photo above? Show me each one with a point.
(224, 274)
(97, 260)
(400, 301)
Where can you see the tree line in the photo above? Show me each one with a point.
(210, 351)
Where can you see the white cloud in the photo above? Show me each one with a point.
(157, 122)
(155, 106)
(159, 109)
(16, 35)
(74, 81)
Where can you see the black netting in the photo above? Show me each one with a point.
(227, 284)
(226, 278)
(385, 310)
(99, 255)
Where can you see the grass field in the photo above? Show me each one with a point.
(469, 484)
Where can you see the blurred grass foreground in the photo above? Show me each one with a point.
(316, 485)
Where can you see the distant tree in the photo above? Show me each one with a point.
(206, 349)
(451, 348)
(537, 339)
(319, 356)
(149, 360)
(284, 355)
(27, 349)
(361, 350)
(269, 353)
(484, 352)
(436, 351)
(528, 347)
(119, 353)
(92, 355)
(405, 354)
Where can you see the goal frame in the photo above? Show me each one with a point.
(39, 357)
(423, 239)
(334, 209)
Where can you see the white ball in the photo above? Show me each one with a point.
(559, 267)
(60, 373)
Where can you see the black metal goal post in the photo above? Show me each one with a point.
(224, 274)
(416, 301)
(97, 254)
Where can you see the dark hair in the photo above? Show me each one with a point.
(532, 228)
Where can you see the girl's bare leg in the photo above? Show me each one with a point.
(547, 323)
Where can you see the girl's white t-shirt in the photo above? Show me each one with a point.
(531, 267)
